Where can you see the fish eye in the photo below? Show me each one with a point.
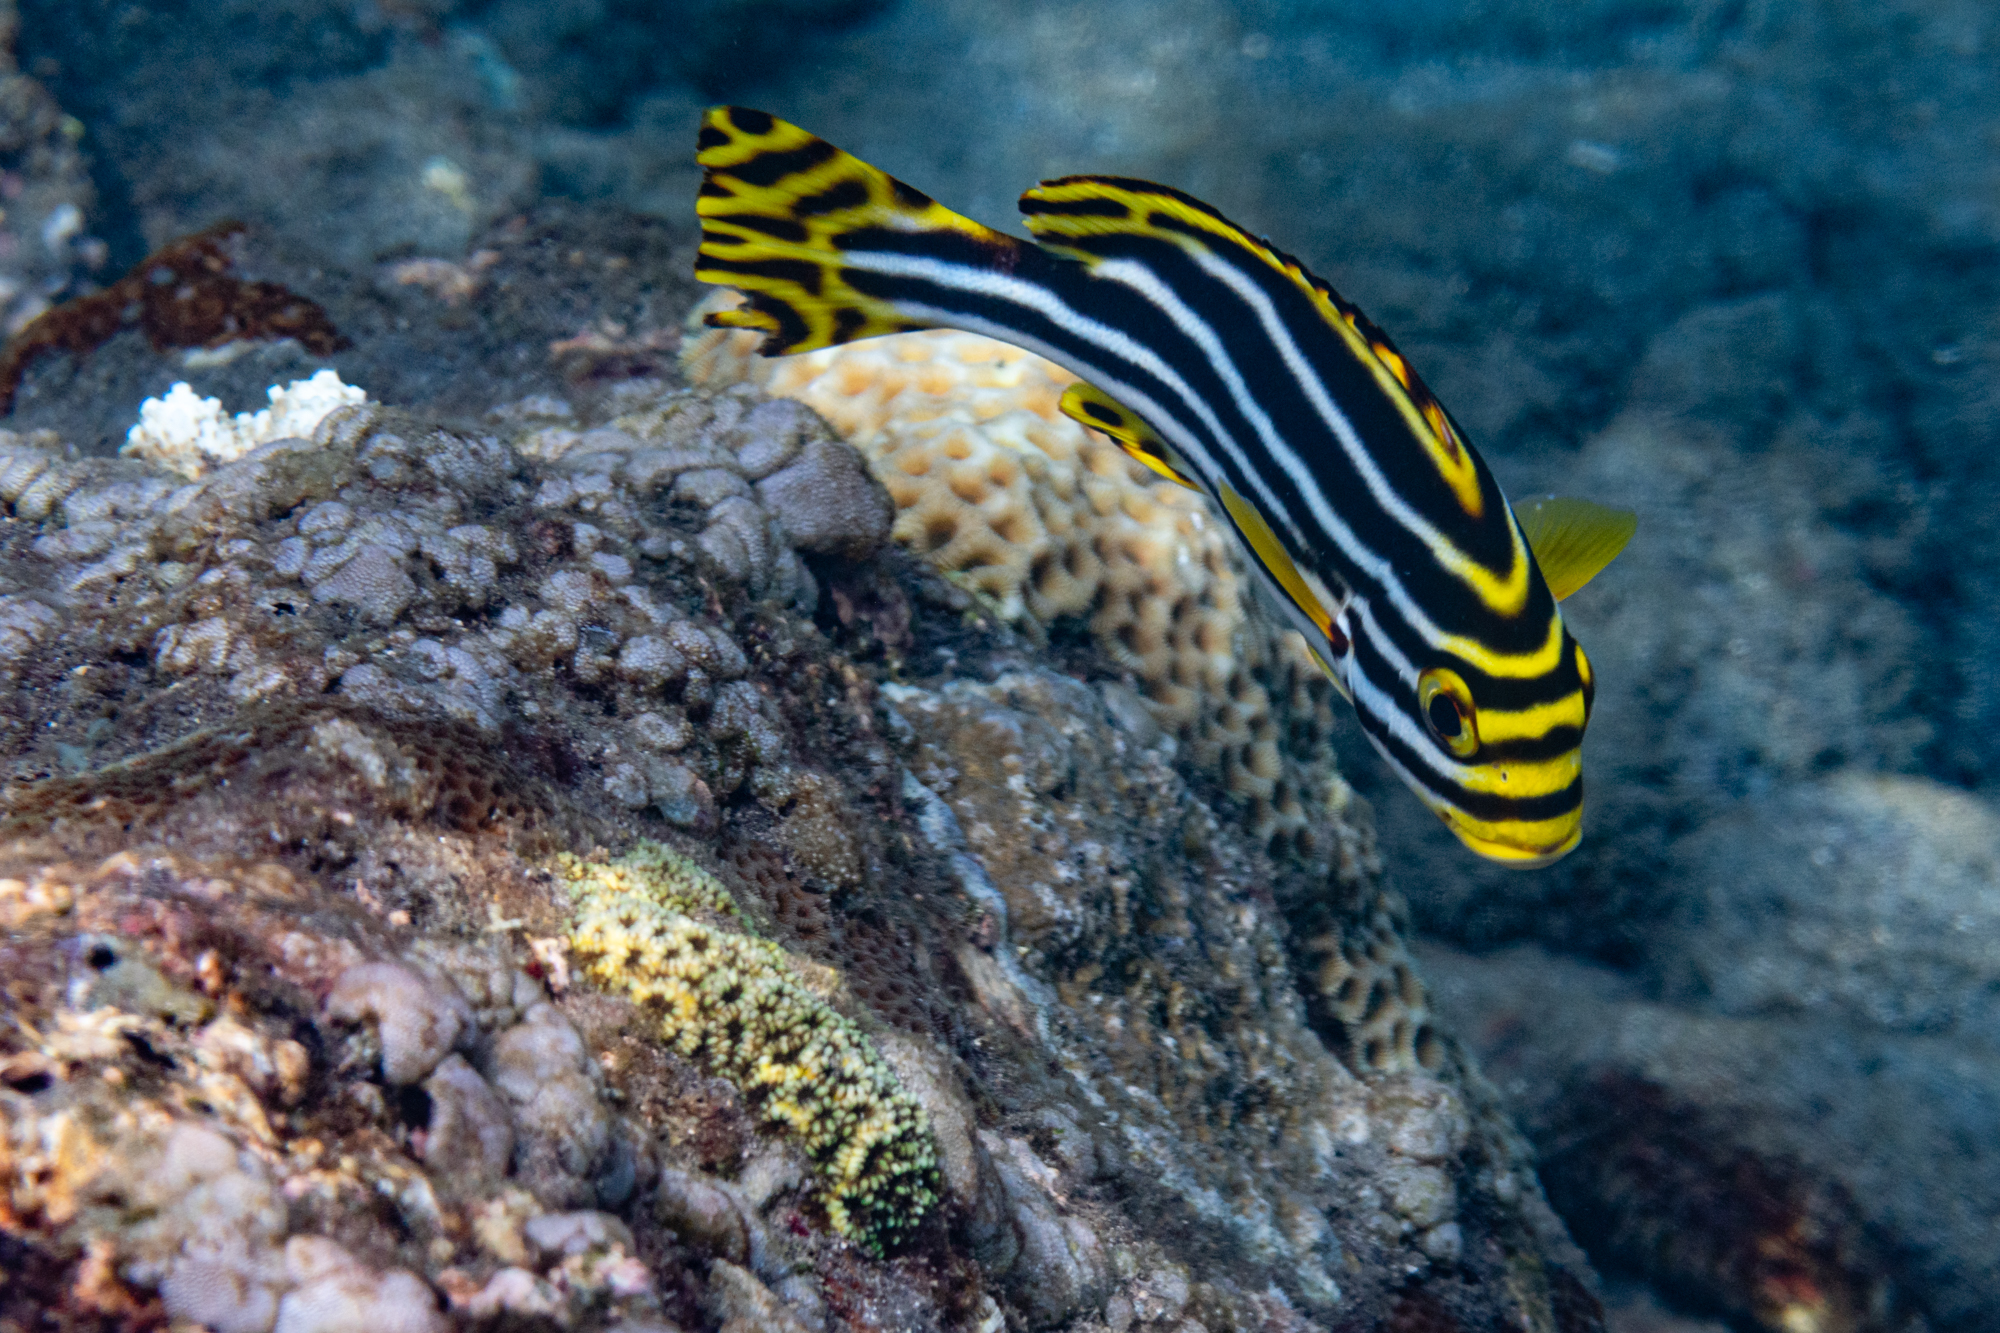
(1447, 707)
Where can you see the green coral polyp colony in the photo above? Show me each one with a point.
(730, 1002)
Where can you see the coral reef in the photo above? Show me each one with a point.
(181, 295)
(201, 1164)
(1084, 847)
(1051, 520)
(1368, 987)
(296, 749)
(729, 1001)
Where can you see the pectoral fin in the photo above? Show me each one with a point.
(1573, 539)
(1098, 410)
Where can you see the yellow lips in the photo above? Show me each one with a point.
(1518, 846)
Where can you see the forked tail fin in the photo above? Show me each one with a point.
(786, 220)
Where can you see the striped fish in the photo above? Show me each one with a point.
(1223, 364)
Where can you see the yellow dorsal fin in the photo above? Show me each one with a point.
(1573, 539)
(1090, 405)
(1271, 554)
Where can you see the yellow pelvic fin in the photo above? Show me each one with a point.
(1271, 553)
(1333, 677)
(1573, 539)
(1090, 405)
(776, 205)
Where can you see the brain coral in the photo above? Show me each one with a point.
(1047, 520)
(730, 1001)
(1367, 984)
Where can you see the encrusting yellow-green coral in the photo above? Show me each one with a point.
(729, 1001)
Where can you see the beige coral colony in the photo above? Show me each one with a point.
(828, 847)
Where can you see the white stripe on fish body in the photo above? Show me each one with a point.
(1141, 279)
(985, 282)
(1045, 302)
(1358, 454)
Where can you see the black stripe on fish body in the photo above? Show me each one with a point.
(1551, 744)
(778, 229)
(1514, 694)
(992, 253)
(1131, 184)
(750, 120)
(986, 312)
(1456, 608)
(1349, 381)
(1102, 415)
(909, 196)
(1086, 208)
(792, 328)
(848, 193)
(961, 295)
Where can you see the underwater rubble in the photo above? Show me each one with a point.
(47, 251)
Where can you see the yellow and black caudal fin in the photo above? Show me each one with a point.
(1573, 539)
(791, 222)
(1090, 405)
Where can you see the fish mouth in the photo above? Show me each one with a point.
(1517, 855)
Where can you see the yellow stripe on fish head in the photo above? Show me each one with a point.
(1503, 772)
(1518, 844)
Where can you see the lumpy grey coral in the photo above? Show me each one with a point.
(417, 1021)
(411, 668)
